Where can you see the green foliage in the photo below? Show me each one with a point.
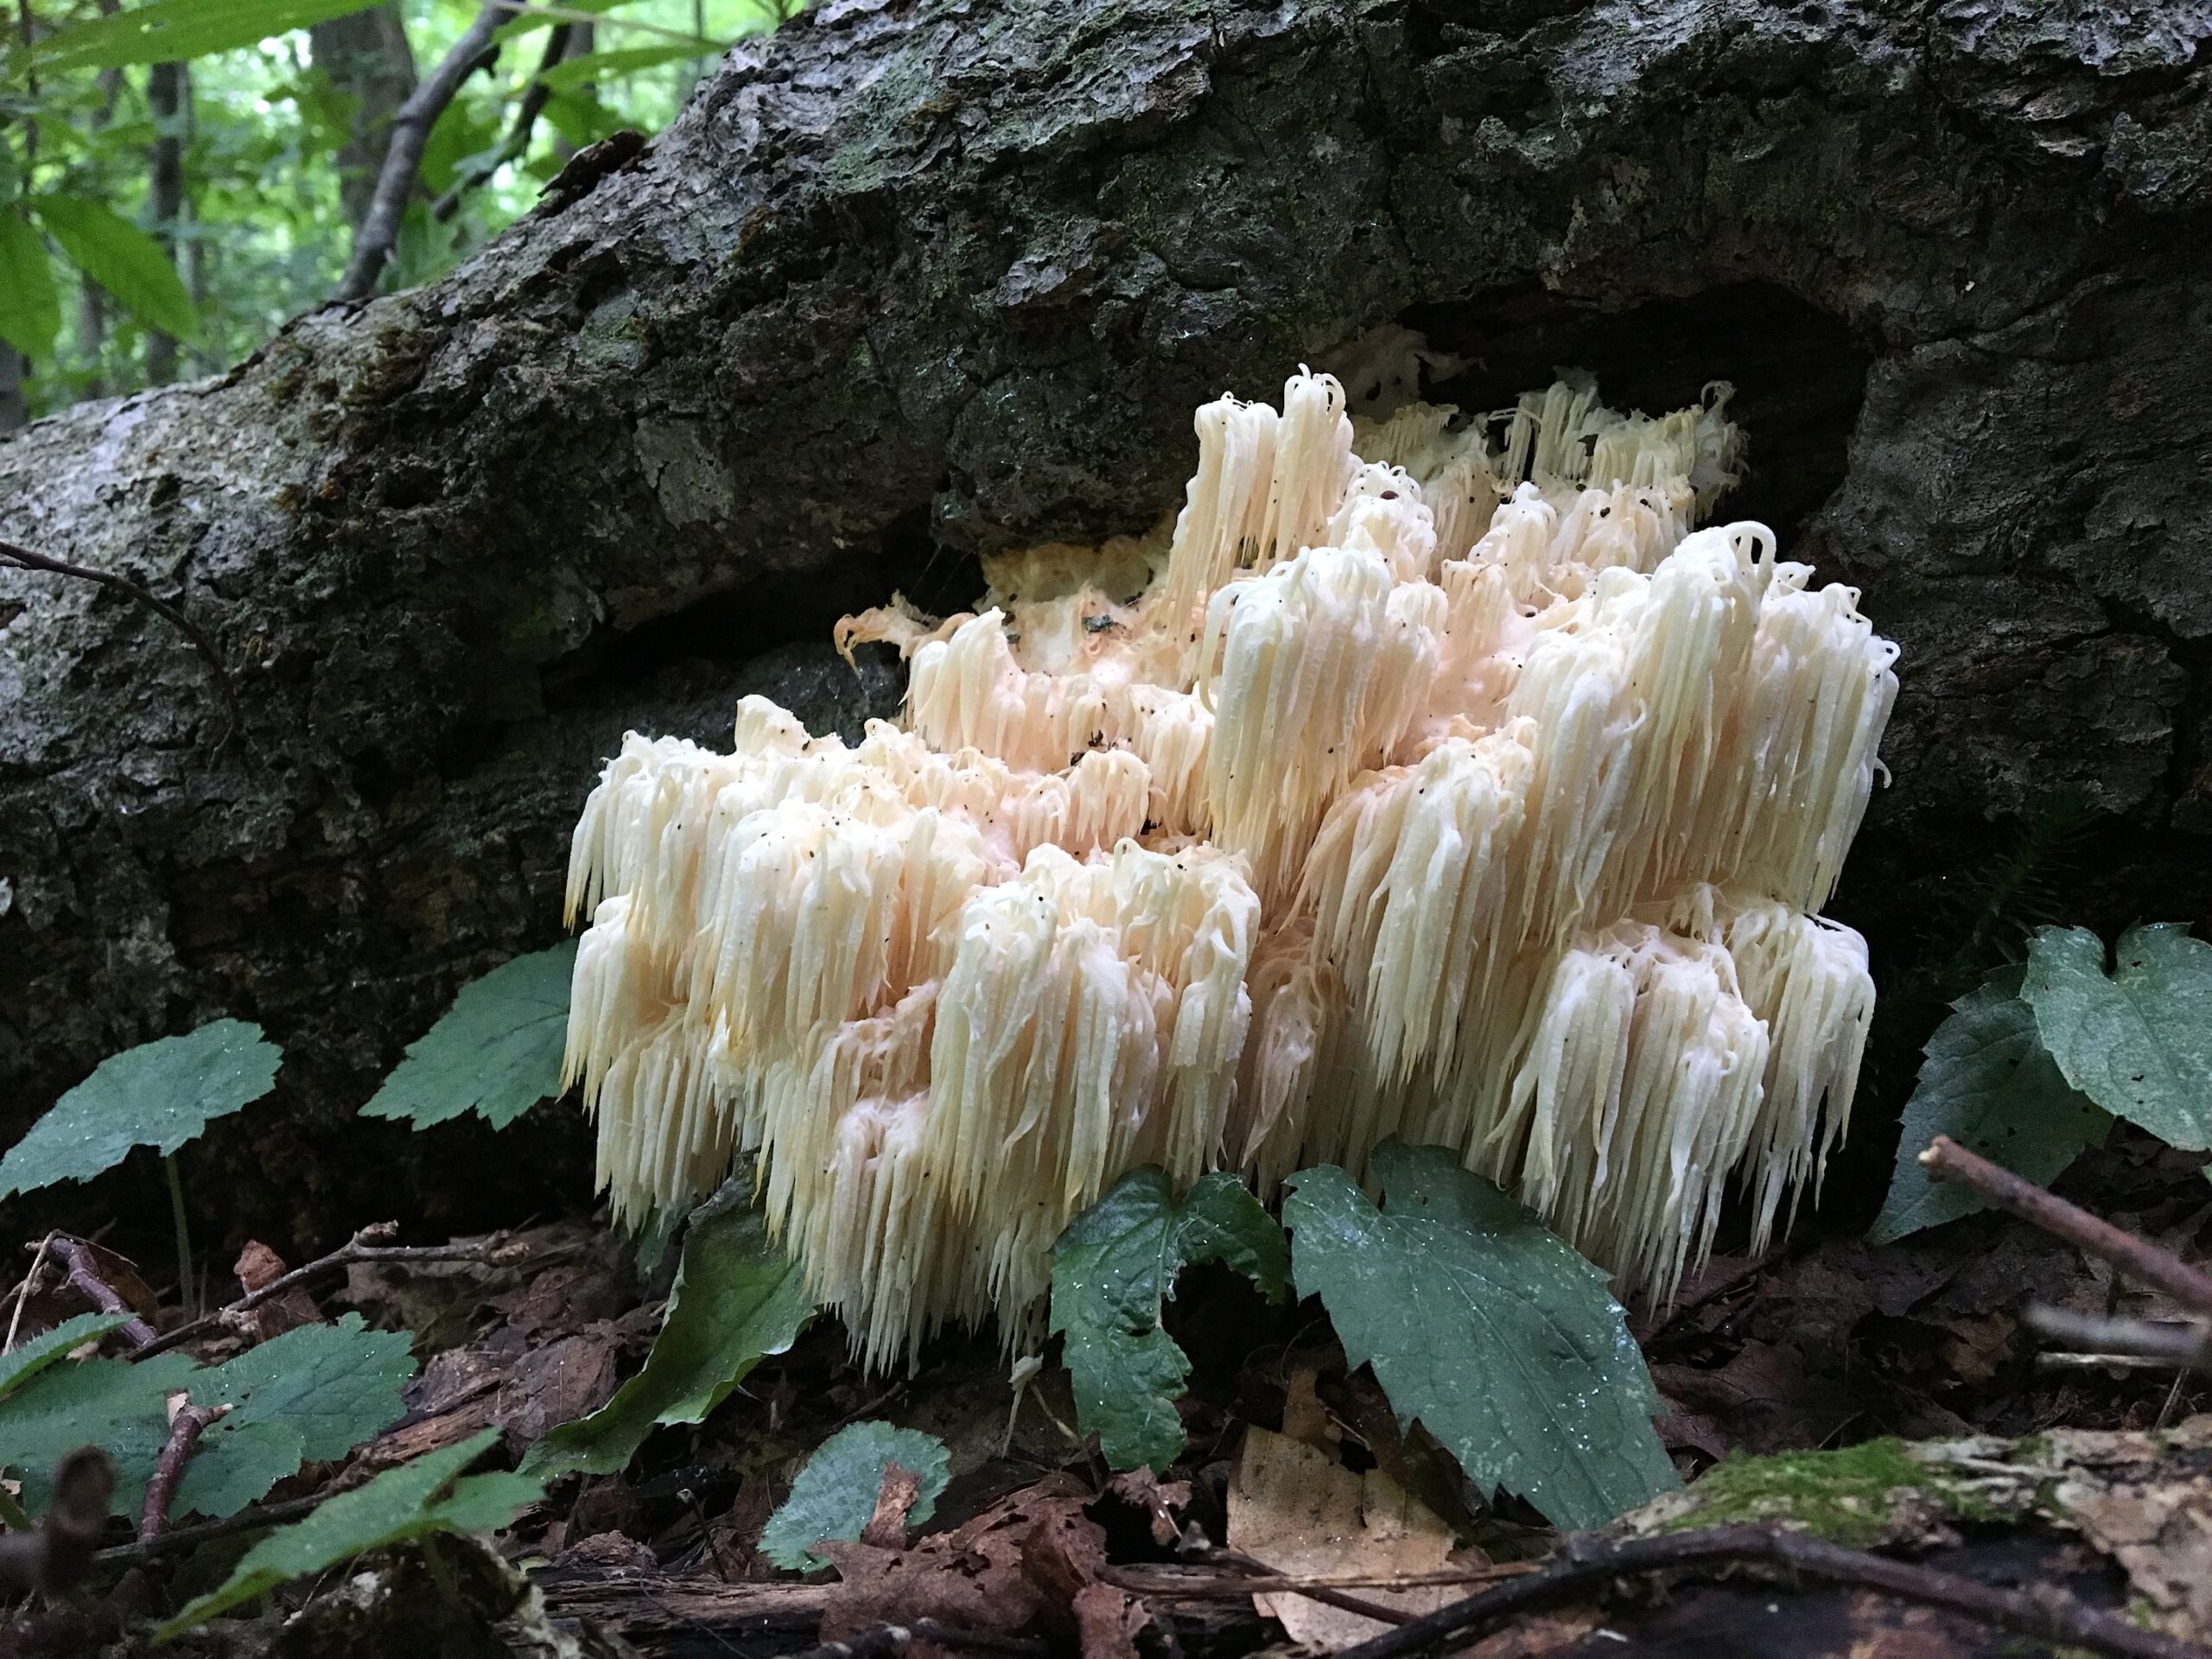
(160, 1094)
(19, 1365)
(30, 309)
(573, 74)
(2138, 1043)
(737, 1300)
(172, 31)
(122, 259)
(836, 1493)
(496, 1051)
(1114, 1268)
(315, 1392)
(1988, 1083)
(1500, 1339)
(310, 1395)
(417, 1500)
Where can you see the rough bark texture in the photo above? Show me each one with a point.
(907, 280)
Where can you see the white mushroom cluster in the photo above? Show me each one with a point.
(1435, 777)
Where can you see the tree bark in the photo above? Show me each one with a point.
(367, 60)
(907, 280)
(166, 93)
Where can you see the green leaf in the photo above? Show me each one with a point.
(310, 1395)
(1504, 1342)
(20, 1364)
(572, 74)
(30, 309)
(2138, 1044)
(416, 1500)
(172, 31)
(737, 1300)
(112, 1403)
(834, 1495)
(1112, 1269)
(1989, 1083)
(122, 259)
(159, 1094)
(496, 1051)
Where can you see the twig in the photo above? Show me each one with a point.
(24, 559)
(888, 1641)
(1587, 1564)
(520, 130)
(268, 1515)
(2139, 1258)
(1171, 1584)
(1380, 1613)
(184, 1430)
(362, 1247)
(402, 156)
(23, 1293)
(84, 1274)
(2132, 1341)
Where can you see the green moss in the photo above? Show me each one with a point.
(1844, 1495)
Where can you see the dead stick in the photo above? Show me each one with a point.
(84, 1275)
(254, 1520)
(1379, 1611)
(25, 559)
(184, 1430)
(2139, 1258)
(2143, 1342)
(1587, 1564)
(360, 1248)
(1167, 1586)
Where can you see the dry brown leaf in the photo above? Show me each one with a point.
(1304, 1417)
(1160, 1500)
(1300, 1511)
(900, 1490)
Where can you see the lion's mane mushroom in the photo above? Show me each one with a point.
(1433, 777)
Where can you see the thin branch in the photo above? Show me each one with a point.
(184, 1430)
(1328, 1595)
(364, 1246)
(1185, 1584)
(2106, 1341)
(519, 132)
(2139, 1258)
(402, 156)
(84, 1273)
(253, 1519)
(23, 1292)
(1588, 1564)
(23, 558)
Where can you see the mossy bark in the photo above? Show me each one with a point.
(906, 280)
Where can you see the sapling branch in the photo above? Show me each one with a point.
(76, 1259)
(2139, 1258)
(24, 559)
(184, 1430)
(1586, 1565)
(528, 108)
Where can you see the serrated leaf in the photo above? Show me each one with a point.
(496, 1052)
(1501, 1340)
(834, 1495)
(122, 259)
(2139, 1043)
(19, 1365)
(737, 1299)
(30, 308)
(111, 1403)
(160, 1094)
(416, 1500)
(173, 31)
(310, 1395)
(1113, 1270)
(1989, 1083)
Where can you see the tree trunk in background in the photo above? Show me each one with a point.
(583, 42)
(904, 282)
(13, 412)
(368, 59)
(165, 101)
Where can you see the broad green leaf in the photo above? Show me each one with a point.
(836, 1493)
(1504, 1342)
(19, 1365)
(111, 1403)
(416, 1500)
(580, 120)
(737, 1299)
(496, 1051)
(1989, 1083)
(1114, 1268)
(160, 1094)
(122, 259)
(30, 309)
(2138, 1044)
(309, 1395)
(570, 73)
(172, 31)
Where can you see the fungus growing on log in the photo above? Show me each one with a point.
(1435, 777)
